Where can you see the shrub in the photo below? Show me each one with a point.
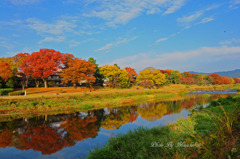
(6, 91)
(18, 93)
(10, 83)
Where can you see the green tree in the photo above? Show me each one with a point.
(10, 83)
(117, 66)
(173, 78)
(99, 77)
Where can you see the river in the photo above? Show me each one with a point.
(74, 135)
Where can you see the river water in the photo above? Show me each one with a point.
(74, 135)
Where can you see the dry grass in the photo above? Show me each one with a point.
(68, 91)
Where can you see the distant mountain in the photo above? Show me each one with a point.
(234, 73)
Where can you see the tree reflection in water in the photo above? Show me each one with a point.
(49, 134)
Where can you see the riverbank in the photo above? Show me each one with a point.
(83, 101)
(212, 132)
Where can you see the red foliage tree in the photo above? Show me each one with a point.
(19, 58)
(131, 74)
(216, 78)
(236, 80)
(187, 74)
(166, 72)
(5, 71)
(42, 64)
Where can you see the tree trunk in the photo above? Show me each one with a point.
(23, 87)
(23, 84)
(90, 90)
(37, 83)
(26, 83)
(75, 85)
(45, 83)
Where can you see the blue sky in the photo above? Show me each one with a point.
(187, 35)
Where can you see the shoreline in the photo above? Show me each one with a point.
(83, 101)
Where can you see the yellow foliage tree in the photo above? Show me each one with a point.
(154, 76)
(116, 76)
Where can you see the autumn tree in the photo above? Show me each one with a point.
(18, 59)
(42, 64)
(216, 79)
(154, 76)
(236, 80)
(131, 74)
(79, 70)
(5, 71)
(225, 80)
(117, 77)
(10, 61)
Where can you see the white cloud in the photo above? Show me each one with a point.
(190, 18)
(58, 27)
(4, 42)
(233, 3)
(120, 12)
(178, 60)
(175, 5)
(24, 2)
(74, 43)
(206, 20)
(52, 39)
(114, 44)
(14, 22)
(230, 42)
(106, 47)
(160, 40)
(185, 20)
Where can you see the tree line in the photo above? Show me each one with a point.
(38, 66)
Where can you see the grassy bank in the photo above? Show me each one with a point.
(41, 101)
(209, 133)
(84, 101)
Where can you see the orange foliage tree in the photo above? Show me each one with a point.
(5, 71)
(79, 70)
(42, 64)
(225, 80)
(216, 78)
(131, 74)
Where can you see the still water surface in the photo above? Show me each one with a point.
(74, 135)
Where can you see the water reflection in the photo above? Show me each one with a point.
(50, 134)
